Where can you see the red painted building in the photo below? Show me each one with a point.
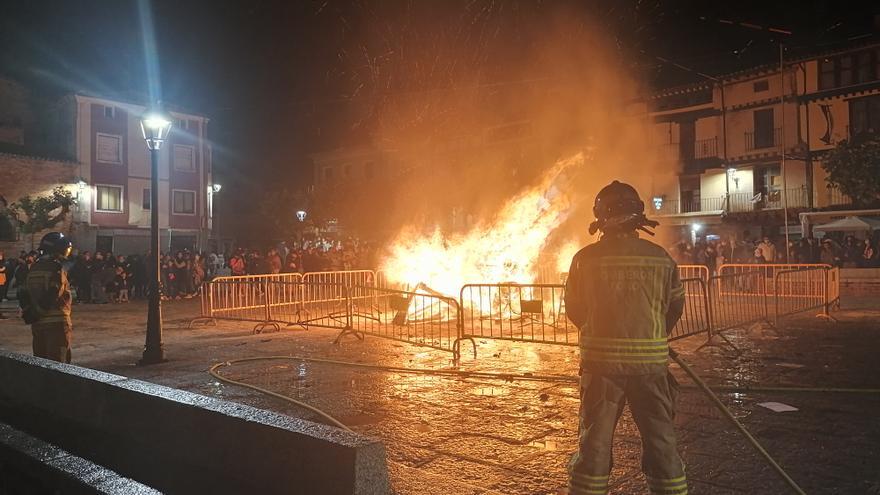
(114, 207)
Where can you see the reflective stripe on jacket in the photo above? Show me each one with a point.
(618, 293)
(49, 291)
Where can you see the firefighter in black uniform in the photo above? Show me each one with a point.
(625, 295)
(46, 302)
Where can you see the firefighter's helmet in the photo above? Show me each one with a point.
(618, 207)
(617, 199)
(55, 244)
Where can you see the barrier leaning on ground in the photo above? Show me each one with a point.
(360, 303)
(356, 302)
(180, 442)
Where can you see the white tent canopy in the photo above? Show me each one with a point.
(849, 224)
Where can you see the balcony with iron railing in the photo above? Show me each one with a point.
(706, 148)
(735, 203)
(763, 141)
(768, 200)
(676, 206)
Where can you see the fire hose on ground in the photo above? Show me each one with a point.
(742, 429)
(538, 378)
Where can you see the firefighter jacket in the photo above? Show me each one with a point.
(48, 292)
(619, 291)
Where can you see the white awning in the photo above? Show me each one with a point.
(849, 224)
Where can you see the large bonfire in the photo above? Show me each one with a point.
(506, 248)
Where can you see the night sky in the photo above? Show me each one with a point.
(274, 77)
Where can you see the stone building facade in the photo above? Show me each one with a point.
(22, 175)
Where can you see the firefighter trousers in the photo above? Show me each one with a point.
(52, 340)
(651, 400)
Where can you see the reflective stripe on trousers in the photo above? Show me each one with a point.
(652, 402)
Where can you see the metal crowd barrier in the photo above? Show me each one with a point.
(310, 304)
(418, 317)
(240, 299)
(345, 300)
(693, 271)
(519, 312)
(204, 317)
(359, 303)
(797, 291)
(738, 299)
(327, 286)
(696, 318)
(768, 269)
(536, 313)
(833, 290)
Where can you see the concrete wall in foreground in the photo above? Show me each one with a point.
(180, 442)
(32, 466)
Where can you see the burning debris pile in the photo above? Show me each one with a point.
(505, 249)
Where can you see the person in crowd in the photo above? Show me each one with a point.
(98, 289)
(765, 251)
(829, 254)
(802, 251)
(291, 262)
(168, 277)
(4, 276)
(199, 272)
(274, 261)
(107, 278)
(852, 252)
(743, 252)
(711, 256)
(121, 284)
(123, 262)
(179, 268)
(211, 265)
(81, 277)
(258, 264)
(237, 264)
(112, 286)
(282, 250)
(188, 275)
(792, 251)
(815, 250)
(139, 282)
(869, 255)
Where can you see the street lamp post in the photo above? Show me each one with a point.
(155, 128)
(213, 189)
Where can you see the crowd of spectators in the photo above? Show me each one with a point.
(103, 277)
(311, 256)
(846, 252)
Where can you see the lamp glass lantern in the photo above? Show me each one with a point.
(155, 127)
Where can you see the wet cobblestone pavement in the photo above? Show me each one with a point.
(453, 435)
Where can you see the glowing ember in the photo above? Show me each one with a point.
(505, 249)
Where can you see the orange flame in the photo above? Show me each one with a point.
(505, 249)
(565, 254)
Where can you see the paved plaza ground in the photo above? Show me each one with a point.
(454, 435)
